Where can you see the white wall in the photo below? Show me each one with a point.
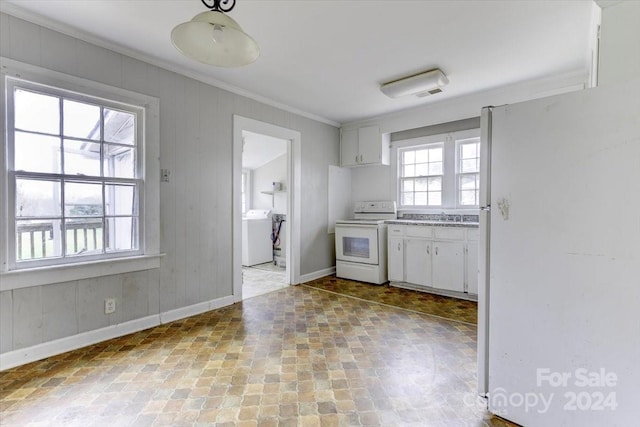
(195, 206)
(262, 179)
(376, 182)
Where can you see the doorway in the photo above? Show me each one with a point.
(285, 198)
(263, 191)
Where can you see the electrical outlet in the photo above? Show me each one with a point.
(109, 305)
(165, 174)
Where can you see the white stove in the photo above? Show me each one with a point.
(361, 242)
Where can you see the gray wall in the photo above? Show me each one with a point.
(262, 179)
(195, 207)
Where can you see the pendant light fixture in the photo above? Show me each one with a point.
(215, 38)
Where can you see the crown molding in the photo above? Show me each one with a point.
(34, 18)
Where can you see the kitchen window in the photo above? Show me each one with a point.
(74, 174)
(438, 171)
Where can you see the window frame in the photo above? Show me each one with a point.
(450, 182)
(12, 176)
(460, 142)
(402, 179)
(11, 279)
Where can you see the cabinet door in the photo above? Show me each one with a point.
(472, 268)
(395, 253)
(369, 144)
(349, 147)
(417, 267)
(448, 265)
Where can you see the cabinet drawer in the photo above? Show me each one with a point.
(419, 231)
(449, 233)
(395, 230)
(473, 234)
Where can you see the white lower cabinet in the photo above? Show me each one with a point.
(417, 258)
(439, 258)
(448, 265)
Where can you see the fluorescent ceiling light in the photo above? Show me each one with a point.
(423, 84)
(214, 38)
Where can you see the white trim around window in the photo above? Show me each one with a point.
(450, 176)
(146, 253)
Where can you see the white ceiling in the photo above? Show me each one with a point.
(258, 150)
(327, 58)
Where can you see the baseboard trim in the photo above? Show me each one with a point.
(317, 274)
(14, 358)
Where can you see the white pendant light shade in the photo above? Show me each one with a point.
(214, 38)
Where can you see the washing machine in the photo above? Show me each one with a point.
(257, 247)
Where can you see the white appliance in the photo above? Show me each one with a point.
(559, 332)
(257, 247)
(361, 243)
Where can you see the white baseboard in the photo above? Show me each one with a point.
(14, 358)
(317, 274)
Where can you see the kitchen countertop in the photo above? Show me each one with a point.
(432, 223)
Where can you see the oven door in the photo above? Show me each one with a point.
(357, 243)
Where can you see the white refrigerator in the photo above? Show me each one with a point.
(559, 297)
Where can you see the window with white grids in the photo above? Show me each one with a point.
(468, 171)
(75, 176)
(421, 175)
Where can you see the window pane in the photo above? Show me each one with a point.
(81, 158)
(468, 182)
(435, 154)
(84, 236)
(37, 198)
(38, 239)
(407, 199)
(469, 151)
(435, 168)
(435, 184)
(37, 153)
(37, 112)
(470, 165)
(408, 157)
(421, 199)
(119, 161)
(119, 126)
(409, 170)
(83, 199)
(422, 169)
(122, 234)
(468, 197)
(421, 184)
(435, 198)
(81, 120)
(407, 185)
(422, 156)
(120, 199)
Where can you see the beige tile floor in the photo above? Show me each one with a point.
(299, 356)
(261, 279)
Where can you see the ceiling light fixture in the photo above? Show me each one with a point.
(422, 84)
(215, 38)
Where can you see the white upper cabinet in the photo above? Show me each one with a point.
(364, 146)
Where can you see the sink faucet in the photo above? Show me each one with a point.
(443, 217)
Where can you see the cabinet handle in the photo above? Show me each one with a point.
(436, 250)
(399, 246)
(356, 158)
(428, 253)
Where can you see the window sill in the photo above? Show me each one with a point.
(65, 273)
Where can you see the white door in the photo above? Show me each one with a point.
(564, 256)
(448, 265)
(349, 147)
(369, 144)
(417, 255)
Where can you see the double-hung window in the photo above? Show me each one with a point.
(440, 171)
(421, 175)
(75, 178)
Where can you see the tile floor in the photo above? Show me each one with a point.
(261, 279)
(299, 356)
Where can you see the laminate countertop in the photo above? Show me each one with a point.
(432, 223)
